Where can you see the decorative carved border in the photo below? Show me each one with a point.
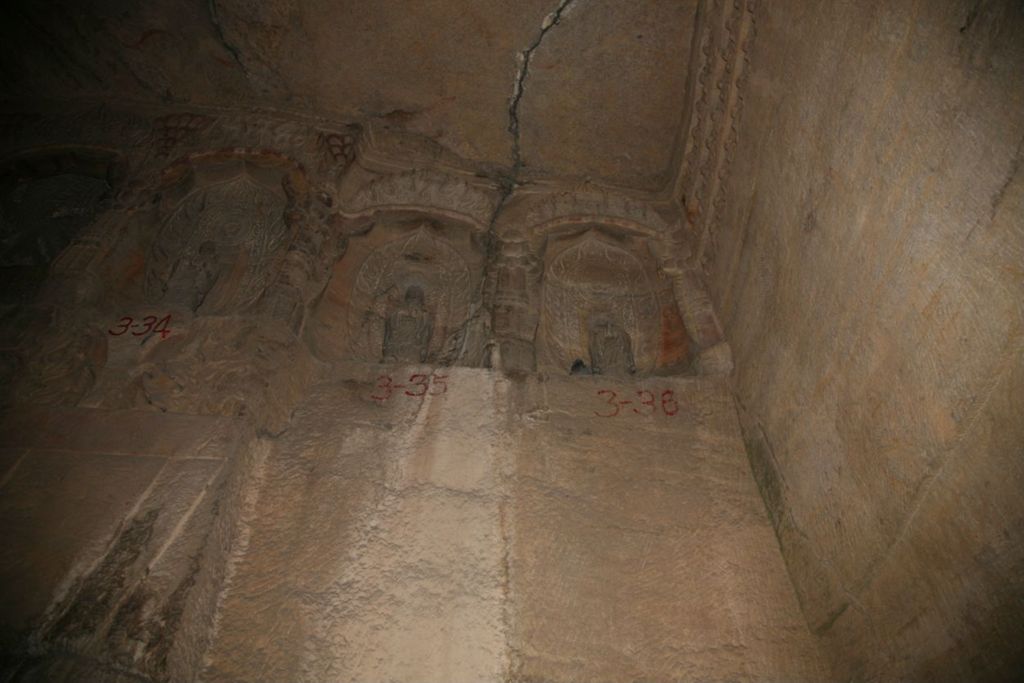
(341, 171)
(529, 214)
(604, 207)
(147, 138)
(424, 190)
(722, 43)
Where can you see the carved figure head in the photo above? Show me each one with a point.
(414, 296)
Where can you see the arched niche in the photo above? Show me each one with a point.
(203, 247)
(605, 307)
(205, 237)
(47, 198)
(215, 251)
(406, 291)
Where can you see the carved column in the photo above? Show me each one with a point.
(303, 269)
(516, 306)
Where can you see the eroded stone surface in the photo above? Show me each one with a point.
(606, 51)
(128, 502)
(496, 529)
(217, 463)
(644, 559)
(602, 100)
(867, 272)
(375, 546)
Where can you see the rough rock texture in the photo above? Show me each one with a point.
(868, 274)
(601, 101)
(373, 548)
(128, 504)
(648, 558)
(604, 51)
(496, 529)
(262, 271)
(374, 341)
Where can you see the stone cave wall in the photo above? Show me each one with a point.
(865, 260)
(202, 277)
(168, 260)
(193, 281)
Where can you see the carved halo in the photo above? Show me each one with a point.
(420, 258)
(593, 278)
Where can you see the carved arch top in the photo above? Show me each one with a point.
(428, 191)
(591, 279)
(421, 260)
(540, 215)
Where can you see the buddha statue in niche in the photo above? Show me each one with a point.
(611, 349)
(407, 329)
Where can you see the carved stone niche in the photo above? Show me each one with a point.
(204, 261)
(50, 349)
(46, 200)
(406, 291)
(215, 250)
(606, 308)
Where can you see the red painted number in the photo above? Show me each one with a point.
(383, 385)
(125, 323)
(647, 400)
(418, 386)
(611, 401)
(161, 326)
(668, 402)
(441, 383)
(148, 324)
(421, 381)
(646, 405)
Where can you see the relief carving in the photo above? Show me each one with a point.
(426, 190)
(193, 277)
(50, 353)
(589, 205)
(410, 301)
(611, 349)
(224, 366)
(516, 303)
(598, 304)
(720, 76)
(175, 129)
(304, 269)
(60, 362)
(215, 252)
(407, 329)
(39, 218)
(338, 150)
(225, 252)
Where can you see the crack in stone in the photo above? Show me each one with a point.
(219, 30)
(550, 21)
(507, 182)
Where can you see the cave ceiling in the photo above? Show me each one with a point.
(600, 97)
